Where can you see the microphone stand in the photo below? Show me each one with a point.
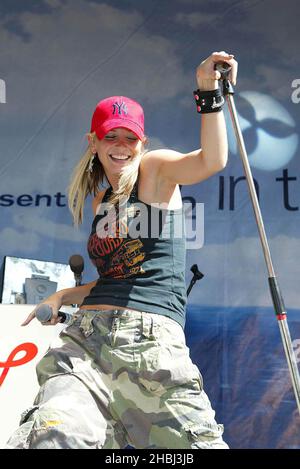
(78, 279)
(197, 276)
(76, 264)
(275, 292)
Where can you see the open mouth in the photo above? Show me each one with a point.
(119, 157)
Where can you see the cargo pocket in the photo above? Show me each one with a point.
(167, 368)
(21, 438)
(205, 435)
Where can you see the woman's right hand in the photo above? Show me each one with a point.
(206, 75)
(55, 302)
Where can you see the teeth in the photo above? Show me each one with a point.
(119, 157)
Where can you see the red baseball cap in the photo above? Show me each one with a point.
(118, 111)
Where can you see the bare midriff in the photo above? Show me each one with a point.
(104, 307)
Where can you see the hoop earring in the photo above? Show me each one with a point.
(91, 164)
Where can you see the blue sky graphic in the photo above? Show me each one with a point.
(60, 57)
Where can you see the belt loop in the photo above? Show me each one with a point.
(144, 324)
(155, 326)
(151, 327)
(148, 326)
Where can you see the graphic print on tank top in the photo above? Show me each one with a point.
(117, 256)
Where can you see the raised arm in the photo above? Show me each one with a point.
(200, 164)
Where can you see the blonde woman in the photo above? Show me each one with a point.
(120, 373)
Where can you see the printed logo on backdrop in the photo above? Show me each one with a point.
(30, 351)
(2, 91)
(269, 131)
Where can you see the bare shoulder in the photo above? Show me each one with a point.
(153, 161)
(97, 200)
(154, 187)
(150, 168)
(157, 157)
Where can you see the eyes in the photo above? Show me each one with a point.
(113, 137)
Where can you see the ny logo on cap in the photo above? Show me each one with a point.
(120, 108)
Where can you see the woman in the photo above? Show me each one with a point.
(120, 373)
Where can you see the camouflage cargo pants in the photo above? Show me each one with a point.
(119, 377)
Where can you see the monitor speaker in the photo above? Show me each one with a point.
(32, 281)
(37, 289)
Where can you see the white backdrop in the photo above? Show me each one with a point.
(20, 386)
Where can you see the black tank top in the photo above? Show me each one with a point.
(141, 262)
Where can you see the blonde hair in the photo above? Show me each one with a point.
(83, 182)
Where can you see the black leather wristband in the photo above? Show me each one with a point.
(209, 101)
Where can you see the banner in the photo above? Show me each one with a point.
(59, 59)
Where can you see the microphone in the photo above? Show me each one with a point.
(44, 314)
(224, 68)
(76, 264)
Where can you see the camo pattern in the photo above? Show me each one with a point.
(119, 377)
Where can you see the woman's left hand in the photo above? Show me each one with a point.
(207, 77)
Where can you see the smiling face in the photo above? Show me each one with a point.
(117, 148)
